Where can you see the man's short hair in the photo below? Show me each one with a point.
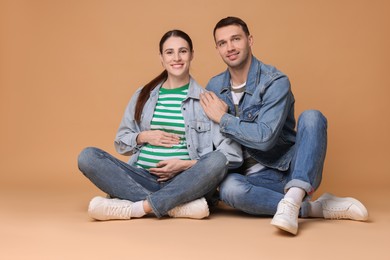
(231, 20)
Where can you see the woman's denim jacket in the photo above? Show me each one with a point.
(202, 135)
(265, 124)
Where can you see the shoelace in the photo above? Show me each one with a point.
(289, 208)
(339, 215)
(118, 210)
(183, 210)
(339, 212)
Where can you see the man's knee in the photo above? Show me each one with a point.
(232, 188)
(312, 118)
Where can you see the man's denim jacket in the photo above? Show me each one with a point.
(266, 123)
(202, 135)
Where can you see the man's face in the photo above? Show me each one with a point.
(233, 45)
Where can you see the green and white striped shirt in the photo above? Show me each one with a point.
(167, 117)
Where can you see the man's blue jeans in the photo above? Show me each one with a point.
(259, 193)
(121, 180)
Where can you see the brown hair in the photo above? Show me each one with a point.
(231, 20)
(145, 91)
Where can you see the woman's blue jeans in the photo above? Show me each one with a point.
(121, 180)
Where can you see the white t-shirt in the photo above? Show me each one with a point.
(237, 94)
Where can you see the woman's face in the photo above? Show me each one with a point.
(176, 57)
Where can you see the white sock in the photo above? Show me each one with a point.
(137, 209)
(296, 194)
(315, 210)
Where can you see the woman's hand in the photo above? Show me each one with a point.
(158, 138)
(168, 169)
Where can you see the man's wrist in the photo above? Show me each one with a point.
(224, 122)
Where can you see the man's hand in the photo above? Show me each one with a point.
(168, 169)
(158, 138)
(214, 107)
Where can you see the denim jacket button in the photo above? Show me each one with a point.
(250, 115)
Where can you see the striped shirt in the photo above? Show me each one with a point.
(167, 117)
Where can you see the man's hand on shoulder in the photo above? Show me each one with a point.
(213, 106)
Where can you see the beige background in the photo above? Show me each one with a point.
(68, 69)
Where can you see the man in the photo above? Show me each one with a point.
(254, 106)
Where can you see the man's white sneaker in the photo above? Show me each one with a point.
(342, 208)
(286, 216)
(197, 209)
(105, 209)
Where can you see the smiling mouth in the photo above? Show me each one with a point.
(177, 65)
(232, 55)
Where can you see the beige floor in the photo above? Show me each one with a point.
(53, 224)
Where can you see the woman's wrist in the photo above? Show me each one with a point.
(190, 163)
(139, 138)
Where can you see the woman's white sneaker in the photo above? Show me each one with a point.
(196, 209)
(106, 209)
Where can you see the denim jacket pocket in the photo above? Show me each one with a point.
(200, 134)
(249, 114)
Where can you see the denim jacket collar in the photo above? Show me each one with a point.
(252, 80)
(194, 90)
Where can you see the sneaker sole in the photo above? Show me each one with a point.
(284, 226)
